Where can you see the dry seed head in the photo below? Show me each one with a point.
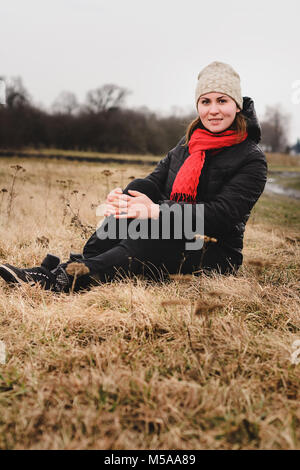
(203, 307)
(106, 173)
(17, 167)
(206, 238)
(77, 269)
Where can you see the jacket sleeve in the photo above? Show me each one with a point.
(160, 173)
(234, 202)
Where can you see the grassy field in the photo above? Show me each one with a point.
(81, 155)
(276, 161)
(283, 162)
(199, 363)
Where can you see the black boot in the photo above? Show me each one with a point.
(50, 276)
(13, 275)
(50, 262)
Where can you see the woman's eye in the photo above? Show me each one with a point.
(220, 101)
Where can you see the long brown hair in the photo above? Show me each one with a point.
(239, 125)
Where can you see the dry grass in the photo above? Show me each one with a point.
(53, 152)
(199, 363)
(282, 161)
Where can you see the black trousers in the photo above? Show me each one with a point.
(153, 258)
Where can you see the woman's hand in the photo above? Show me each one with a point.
(115, 201)
(137, 205)
(113, 195)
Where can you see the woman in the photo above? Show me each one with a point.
(217, 166)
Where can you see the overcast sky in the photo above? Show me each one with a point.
(155, 48)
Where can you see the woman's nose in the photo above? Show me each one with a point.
(214, 108)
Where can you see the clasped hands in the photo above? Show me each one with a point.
(135, 206)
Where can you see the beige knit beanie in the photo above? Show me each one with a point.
(220, 78)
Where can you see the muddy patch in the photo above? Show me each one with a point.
(285, 183)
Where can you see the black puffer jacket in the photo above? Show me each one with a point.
(231, 182)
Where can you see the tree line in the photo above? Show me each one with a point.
(104, 124)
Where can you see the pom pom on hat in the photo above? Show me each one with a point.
(219, 77)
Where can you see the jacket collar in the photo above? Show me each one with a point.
(253, 126)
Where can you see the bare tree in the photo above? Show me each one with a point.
(16, 93)
(65, 103)
(106, 97)
(275, 129)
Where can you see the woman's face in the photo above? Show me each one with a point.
(217, 111)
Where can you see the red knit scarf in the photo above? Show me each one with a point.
(187, 179)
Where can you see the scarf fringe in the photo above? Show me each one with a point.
(183, 198)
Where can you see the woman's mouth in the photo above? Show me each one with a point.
(215, 121)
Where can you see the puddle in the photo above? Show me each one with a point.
(273, 184)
